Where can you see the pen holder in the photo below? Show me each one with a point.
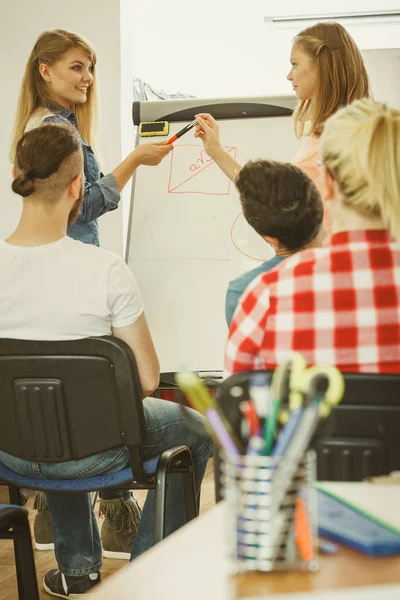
(272, 517)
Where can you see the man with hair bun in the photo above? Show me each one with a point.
(57, 288)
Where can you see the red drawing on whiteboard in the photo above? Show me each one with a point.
(193, 171)
(204, 157)
(248, 242)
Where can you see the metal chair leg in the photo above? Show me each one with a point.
(23, 552)
(160, 504)
(19, 570)
(20, 533)
(15, 497)
(191, 501)
(94, 498)
(25, 564)
(217, 476)
(179, 461)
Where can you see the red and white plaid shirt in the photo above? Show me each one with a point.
(337, 305)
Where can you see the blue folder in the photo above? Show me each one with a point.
(341, 523)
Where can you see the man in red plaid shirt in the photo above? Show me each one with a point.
(339, 304)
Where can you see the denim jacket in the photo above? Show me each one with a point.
(101, 192)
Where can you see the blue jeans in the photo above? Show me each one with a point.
(76, 536)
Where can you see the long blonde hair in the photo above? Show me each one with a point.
(341, 74)
(49, 48)
(360, 145)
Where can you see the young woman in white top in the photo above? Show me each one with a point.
(327, 73)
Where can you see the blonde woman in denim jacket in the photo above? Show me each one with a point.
(59, 85)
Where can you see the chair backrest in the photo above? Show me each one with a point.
(360, 438)
(62, 401)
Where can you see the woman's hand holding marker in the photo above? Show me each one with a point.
(152, 154)
(182, 132)
(207, 129)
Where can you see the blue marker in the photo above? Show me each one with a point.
(255, 446)
(287, 433)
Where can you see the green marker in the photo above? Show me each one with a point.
(270, 427)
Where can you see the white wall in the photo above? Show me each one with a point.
(21, 21)
(215, 48)
(218, 49)
(210, 49)
(127, 60)
(383, 68)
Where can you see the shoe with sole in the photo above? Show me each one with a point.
(119, 528)
(64, 586)
(42, 525)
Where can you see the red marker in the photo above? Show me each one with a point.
(182, 131)
(250, 416)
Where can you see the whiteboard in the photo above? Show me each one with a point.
(187, 238)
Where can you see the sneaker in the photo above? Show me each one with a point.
(64, 586)
(42, 525)
(120, 526)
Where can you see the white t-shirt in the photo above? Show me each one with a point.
(65, 290)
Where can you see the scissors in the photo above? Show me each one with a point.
(296, 387)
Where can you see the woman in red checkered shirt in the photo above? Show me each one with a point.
(339, 304)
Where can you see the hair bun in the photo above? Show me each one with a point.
(23, 185)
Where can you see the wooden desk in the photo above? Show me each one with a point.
(191, 564)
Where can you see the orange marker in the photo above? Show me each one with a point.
(182, 131)
(303, 531)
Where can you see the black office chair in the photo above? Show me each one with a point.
(14, 526)
(62, 401)
(361, 437)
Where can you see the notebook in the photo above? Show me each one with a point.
(339, 522)
(381, 503)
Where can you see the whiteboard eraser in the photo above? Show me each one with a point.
(152, 128)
